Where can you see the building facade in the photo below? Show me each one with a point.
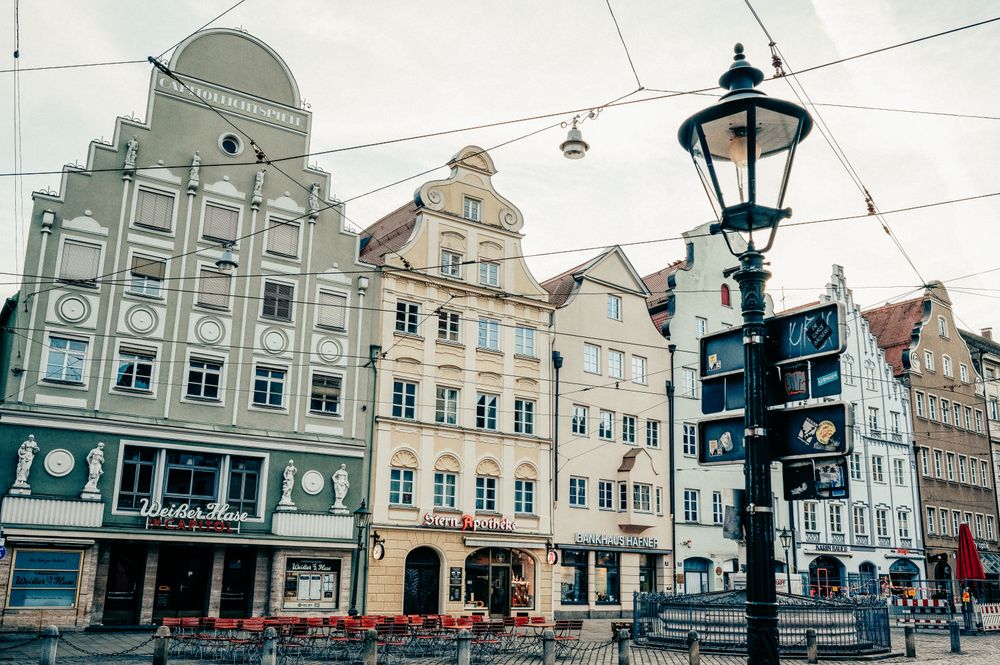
(873, 538)
(688, 299)
(611, 470)
(462, 448)
(955, 479)
(986, 359)
(183, 439)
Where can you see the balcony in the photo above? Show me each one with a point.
(636, 521)
(51, 512)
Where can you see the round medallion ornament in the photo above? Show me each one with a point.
(329, 350)
(209, 330)
(59, 462)
(378, 551)
(140, 319)
(73, 309)
(312, 482)
(274, 340)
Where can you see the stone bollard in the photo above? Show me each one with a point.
(161, 646)
(369, 648)
(812, 648)
(909, 638)
(464, 649)
(694, 648)
(50, 642)
(269, 652)
(956, 639)
(623, 647)
(548, 647)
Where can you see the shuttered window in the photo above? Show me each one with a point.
(80, 262)
(332, 310)
(154, 210)
(283, 238)
(147, 267)
(277, 301)
(213, 289)
(220, 223)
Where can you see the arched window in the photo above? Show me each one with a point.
(726, 299)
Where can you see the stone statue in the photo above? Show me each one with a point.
(95, 469)
(287, 482)
(25, 456)
(341, 483)
(258, 190)
(193, 174)
(314, 200)
(131, 152)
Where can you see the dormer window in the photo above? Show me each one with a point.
(471, 209)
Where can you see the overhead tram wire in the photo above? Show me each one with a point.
(624, 44)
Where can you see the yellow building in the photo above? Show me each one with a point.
(462, 448)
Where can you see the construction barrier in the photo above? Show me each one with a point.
(990, 613)
(923, 613)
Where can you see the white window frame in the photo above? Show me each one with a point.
(207, 267)
(142, 292)
(445, 489)
(691, 505)
(402, 405)
(606, 425)
(616, 364)
(614, 307)
(451, 264)
(718, 512)
(689, 439)
(446, 405)
(287, 384)
(488, 334)
(452, 326)
(525, 413)
(134, 348)
(629, 426)
(524, 341)
(199, 355)
(487, 413)
(472, 209)
(639, 370)
(75, 240)
(591, 358)
(291, 302)
(339, 413)
(407, 477)
(653, 433)
(407, 320)
(489, 273)
(85, 365)
(579, 420)
(577, 492)
(605, 495)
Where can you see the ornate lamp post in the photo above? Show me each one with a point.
(362, 518)
(743, 129)
(785, 536)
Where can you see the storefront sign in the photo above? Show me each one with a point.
(218, 518)
(616, 540)
(832, 548)
(469, 523)
(311, 584)
(44, 578)
(312, 565)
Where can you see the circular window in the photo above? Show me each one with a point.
(230, 144)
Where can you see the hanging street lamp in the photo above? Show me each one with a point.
(757, 136)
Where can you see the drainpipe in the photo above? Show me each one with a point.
(670, 455)
(374, 352)
(557, 363)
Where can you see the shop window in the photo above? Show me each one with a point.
(573, 577)
(44, 578)
(311, 583)
(499, 580)
(191, 478)
(606, 578)
(138, 466)
(647, 573)
(244, 480)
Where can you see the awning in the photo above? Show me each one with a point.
(991, 562)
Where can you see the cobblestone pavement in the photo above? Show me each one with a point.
(79, 648)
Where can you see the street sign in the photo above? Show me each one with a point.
(720, 441)
(823, 479)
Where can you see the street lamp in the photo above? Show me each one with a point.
(785, 536)
(744, 128)
(227, 263)
(362, 518)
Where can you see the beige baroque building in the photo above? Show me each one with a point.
(611, 511)
(462, 446)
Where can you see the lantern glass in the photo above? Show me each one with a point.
(362, 516)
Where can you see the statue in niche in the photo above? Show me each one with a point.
(341, 483)
(193, 174)
(258, 189)
(131, 152)
(95, 469)
(313, 200)
(25, 457)
(287, 483)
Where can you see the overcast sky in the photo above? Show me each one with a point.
(374, 71)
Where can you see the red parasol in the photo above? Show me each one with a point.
(968, 565)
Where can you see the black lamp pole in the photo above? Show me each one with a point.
(786, 540)
(361, 518)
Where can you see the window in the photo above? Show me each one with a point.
(444, 489)
(856, 466)
(154, 210)
(325, 395)
(580, 420)
(471, 208)
(146, 276)
(689, 383)
(230, 144)
(401, 487)
(213, 288)
(925, 461)
(642, 498)
(606, 425)
(66, 360)
(524, 496)
(446, 406)
(920, 404)
(489, 273)
(135, 369)
(882, 522)
(963, 462)
(931, 512)
(449, 326)
(700, 326)
(489, 334)
(972, 472)
(407, 317)
(204, 379)
(191, 478)
(877, 469)
(717, 513)
(138, 468)
(873, 418)
(269, 387)
(577, 491)
(860, 515)
(958, 413)
(486, 411)
(984, 469)
(573, 577)
(938, 460)
(524, 416)
(929, 361)
(932, 407)
(945, 406)
(220, 223)
(244, 480)
(404, 400)
(311, 584)
(994, 409)
(942, 327)
(989, 527)
(45, 578)
(903, 523)
(691, 505)
(899, 472)
(332, 312)
(524, 341)
(605, 495)
(955, 519)
(950, 465)
(946, 365)
(616, 364)
(451, 264)
(979, 422)
(623, 497)
(277, 302)
(81, 263)
(944, 522)
(836, 518)
(653, 433)
(809, 521)
(894, 415)
(963, 372)
(614, 307)
(690, 439)
(638, 370)
(968, 418)
(628, 429)
(591, 358)
(725, 296)
(283, 237)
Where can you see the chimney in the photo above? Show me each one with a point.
(987, 333)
